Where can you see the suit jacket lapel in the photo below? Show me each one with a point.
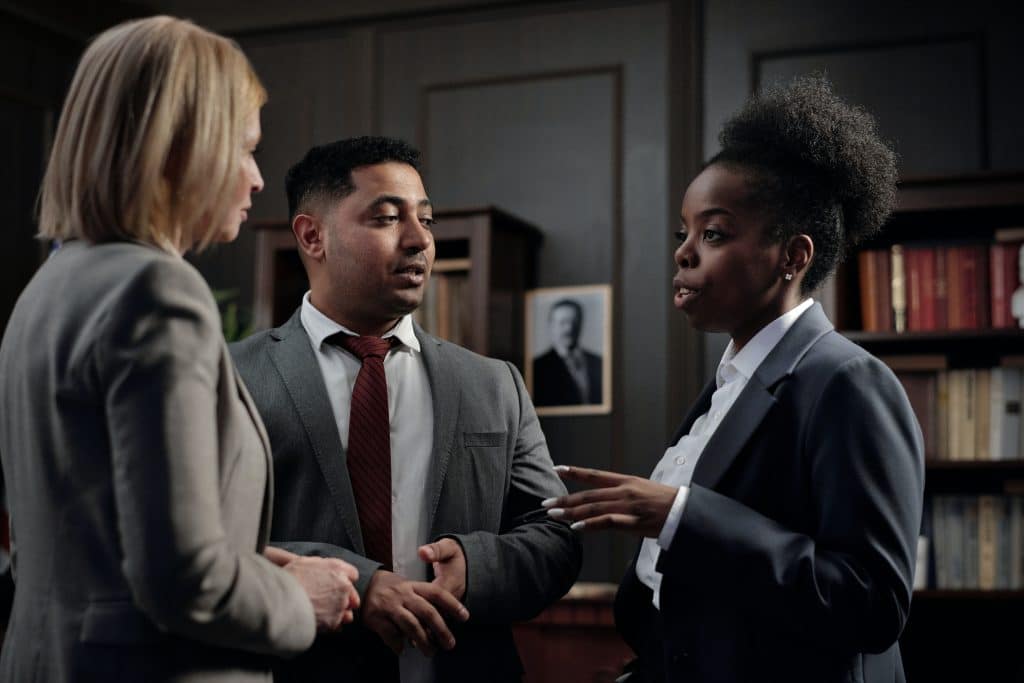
(757, 398)
(300, 373)
(446, 398)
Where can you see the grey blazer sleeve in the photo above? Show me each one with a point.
(159, 361)
(364, 565)
(534, 560)
(845, 587)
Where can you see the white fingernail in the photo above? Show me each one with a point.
(576, 526)
(556, 513)
(561, 468)
(548, 502)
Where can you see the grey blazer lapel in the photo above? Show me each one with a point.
(758, 397)
(254, 414)
(446, 398)
(293, 355)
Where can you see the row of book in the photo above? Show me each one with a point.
(972, 414)
(919, 288)
(977, 542)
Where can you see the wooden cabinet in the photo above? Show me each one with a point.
(486, 260)
(574, 639)
(959, 627)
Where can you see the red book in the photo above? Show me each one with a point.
(912, 270)
(967, 279)
(883, 304)
(975, 304)
(1003, 280)
(920, 274)
(868, 279)
(941, 290)
(874, 275)
(928, 257)
(954, 289)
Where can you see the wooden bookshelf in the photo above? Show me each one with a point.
(950, 626)
(485, 262)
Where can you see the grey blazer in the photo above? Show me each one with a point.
(138, 480)
(490, 471)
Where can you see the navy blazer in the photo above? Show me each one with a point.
(794, 556)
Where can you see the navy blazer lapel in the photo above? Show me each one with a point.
(758, 397)
(445, 397)
(293, 355)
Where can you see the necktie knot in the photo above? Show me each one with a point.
(364, 347)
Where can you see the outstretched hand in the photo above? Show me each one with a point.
(449, 564)
(615, 501)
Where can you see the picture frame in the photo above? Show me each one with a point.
(568, 349)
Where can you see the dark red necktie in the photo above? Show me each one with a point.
(369, 444)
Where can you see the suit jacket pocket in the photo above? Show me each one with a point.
(483, 439)
(117, 623)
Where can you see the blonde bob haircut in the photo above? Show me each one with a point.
(150, 137)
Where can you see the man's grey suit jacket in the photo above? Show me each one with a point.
(490, 471)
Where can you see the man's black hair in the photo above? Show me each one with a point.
(325, 172)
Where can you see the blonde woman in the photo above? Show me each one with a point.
(136, 466)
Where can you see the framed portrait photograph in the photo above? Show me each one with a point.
(569, 349)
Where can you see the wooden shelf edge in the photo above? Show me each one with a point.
(974, 465)
(976, 190)
(967, 594)
(861, 337)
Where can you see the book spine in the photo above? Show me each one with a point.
(997, 406)
(942, 416)
(986, 543)
(972, 542)
(899, 289)
(883, 307)
(954, 289)
(1002, 264)
(969, 424)
(940, 540)
(1003, 557)
(1016, 542)
(1010, 443)
(868, 278)
(941, 290)
(912, 269)
(982, 413)
(927, 259)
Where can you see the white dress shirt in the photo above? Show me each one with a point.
(677, 465)
(411, 412)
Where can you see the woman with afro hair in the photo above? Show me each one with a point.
(779, 529)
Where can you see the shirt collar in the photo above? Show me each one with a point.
(319, 327)
(744, 362)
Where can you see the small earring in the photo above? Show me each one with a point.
(788, 276)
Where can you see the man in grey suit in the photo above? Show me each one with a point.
(470, 550)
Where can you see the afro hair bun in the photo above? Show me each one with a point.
(804, 131)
